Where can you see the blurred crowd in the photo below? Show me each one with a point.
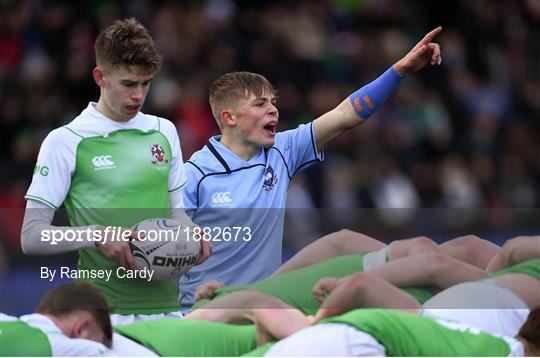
(462, 135)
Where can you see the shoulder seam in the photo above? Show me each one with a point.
(306, 163)
(218, 157)
(196, 166)
(312, 141)
(284, 162)
(72, 131)
(314, 152)
(179, 187)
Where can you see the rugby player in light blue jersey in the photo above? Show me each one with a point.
(237, 184)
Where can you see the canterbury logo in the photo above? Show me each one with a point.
(103, 162)
(222, 198)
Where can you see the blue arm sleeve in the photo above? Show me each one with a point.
(369, 98)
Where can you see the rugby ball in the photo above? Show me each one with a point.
(168, 248)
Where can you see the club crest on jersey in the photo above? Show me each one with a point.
(158, 155)
(270, 178)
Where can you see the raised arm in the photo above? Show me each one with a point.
(360, 105)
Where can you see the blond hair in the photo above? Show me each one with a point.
(231, 87)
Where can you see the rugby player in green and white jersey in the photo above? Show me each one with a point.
(111, 166)
(497, 302)
(376, 332)
(342, 253)
(218, 303)
(359, 332)
(72, 319)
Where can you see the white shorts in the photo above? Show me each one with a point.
(485, 304)
(117, 319)
(327, 340)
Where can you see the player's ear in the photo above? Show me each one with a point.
(81, 327)
(98, 75)
(227, 118)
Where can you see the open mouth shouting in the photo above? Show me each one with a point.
(271, 127)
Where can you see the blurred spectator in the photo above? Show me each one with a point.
(393, 190)
(459, 187)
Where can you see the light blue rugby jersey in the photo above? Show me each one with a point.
(224, 190)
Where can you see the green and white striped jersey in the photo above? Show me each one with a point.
(113, 174)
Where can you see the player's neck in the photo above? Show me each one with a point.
(60, 323)
(102, 108)
(241, 149)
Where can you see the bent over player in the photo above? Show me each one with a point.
(71, 320)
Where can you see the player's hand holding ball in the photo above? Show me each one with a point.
(118, 251)
(166, 247)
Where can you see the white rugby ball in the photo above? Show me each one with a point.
(166, 248)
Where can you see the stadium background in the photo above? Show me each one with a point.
(457, 144)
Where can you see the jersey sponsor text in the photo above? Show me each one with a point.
(41, 170)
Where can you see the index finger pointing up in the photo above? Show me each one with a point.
(430, 36)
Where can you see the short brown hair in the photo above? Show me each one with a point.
(77, 296)
(530, 330)
(126, 43)
(233, 86)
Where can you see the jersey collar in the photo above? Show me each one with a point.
(228, 159)
(104, 125)
(41, 322)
